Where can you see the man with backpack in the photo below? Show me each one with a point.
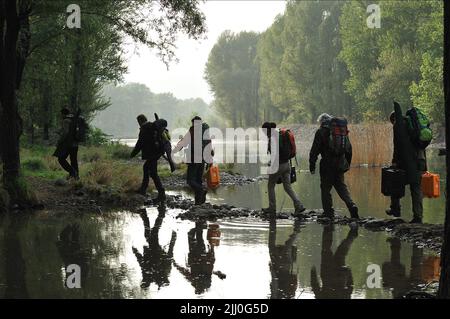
(67, 145)
(412, 134)
(150, 146)
(285, 152)
(197, 140)
(331, 141)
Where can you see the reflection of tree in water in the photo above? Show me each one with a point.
(200, 261)
(282, 259)
(155, 262)
(337, 278)
(71, 251)
(394, 272)
(15, 269)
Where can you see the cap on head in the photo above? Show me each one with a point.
(141, 119)
(323, 118)
(269, 125)
(196, 118)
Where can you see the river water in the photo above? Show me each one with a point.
(155, 255)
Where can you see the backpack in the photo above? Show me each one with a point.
(288, 149)
(419, 128)
(81, 129)
(338, 139)
(162, 133)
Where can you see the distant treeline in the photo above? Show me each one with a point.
(130, 100)
(321, 56)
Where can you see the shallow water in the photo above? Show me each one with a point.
(155, 255)
(364, 184)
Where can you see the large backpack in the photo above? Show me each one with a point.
(288, 149)
(162, 136)
(419, 128)
(339, 142)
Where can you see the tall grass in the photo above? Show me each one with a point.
(122, 177)
(372, 144)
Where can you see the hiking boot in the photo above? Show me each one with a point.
(393, 212)
(203, 196)
(200, 197)
(141, 191)
(354, 212)
(298, 211)
(329, 214)
(160, 199)
(416, 220)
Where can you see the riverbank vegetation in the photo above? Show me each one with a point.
(322, 56)
(46, 63)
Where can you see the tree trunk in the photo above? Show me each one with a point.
(12, 60)
(444, 284)
(9, 120)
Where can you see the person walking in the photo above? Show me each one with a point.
(412, 159)
(200, 153)
(283, 173)
(148, 143)
(67, 145)
(334, 163)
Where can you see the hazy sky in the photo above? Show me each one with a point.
(185, 78)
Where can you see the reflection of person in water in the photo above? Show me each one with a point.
(70, 250)
(200, 261)
(282, 259)
(337, 278)
(15, 269)
(155, 262)
(394, 272)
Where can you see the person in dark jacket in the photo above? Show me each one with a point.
(283, 173)
(68, 145)
(151, 152)
(415, 156)
(198, 157)
(332, 169)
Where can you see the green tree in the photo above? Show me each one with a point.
(153, 23)
(233, 76)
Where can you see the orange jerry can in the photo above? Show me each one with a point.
(431, 268)
(213, 235)
(213, 177)
(430, 185)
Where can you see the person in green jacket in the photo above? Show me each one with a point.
(411, 159)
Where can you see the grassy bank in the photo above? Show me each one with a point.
(100, 167)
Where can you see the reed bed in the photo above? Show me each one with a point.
(372, 142)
